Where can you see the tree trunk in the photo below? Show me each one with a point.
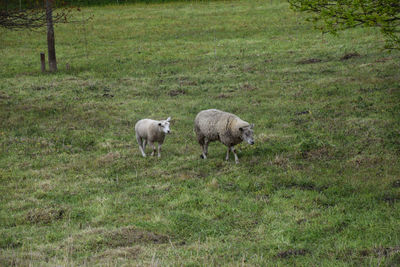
(42, 62)
(50, 37)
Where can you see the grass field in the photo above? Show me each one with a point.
(321, 186)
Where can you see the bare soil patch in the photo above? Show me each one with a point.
(128, 235)
(350, 55)
(380, 251)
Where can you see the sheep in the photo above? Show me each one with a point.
(216, 125)
(151, 131)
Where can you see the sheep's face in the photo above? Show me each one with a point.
(164, 125)
(247, 134)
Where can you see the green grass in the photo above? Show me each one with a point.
(319, 187)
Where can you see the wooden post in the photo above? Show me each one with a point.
(50, 37)
(43, 62)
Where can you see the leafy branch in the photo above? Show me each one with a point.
(334, 16)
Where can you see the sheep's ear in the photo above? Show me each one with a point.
(159, 124)
(168, 119)
(241, 129)
(252, 126)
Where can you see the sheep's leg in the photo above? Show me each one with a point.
(227, 153)
(201, 142)
(159, 150)
(234, 153)
(140, 142)
(202, 151)
(154, 148)
(144, 144)
(205, 149)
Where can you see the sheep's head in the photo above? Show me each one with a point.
(247, 133)
(164, 125)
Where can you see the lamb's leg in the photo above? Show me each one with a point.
(154, 148)
(234, 153)
(227, 153)
(159, 150)
(140, 142)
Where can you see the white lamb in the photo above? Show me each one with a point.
(151, 131)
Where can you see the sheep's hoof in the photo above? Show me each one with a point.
(202, 156)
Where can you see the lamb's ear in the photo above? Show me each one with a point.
(252, 126)
(168, 119)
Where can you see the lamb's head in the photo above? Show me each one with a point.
(164, 125)
(247, 133)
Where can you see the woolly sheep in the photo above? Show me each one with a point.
(216, 125)
(151, 131)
